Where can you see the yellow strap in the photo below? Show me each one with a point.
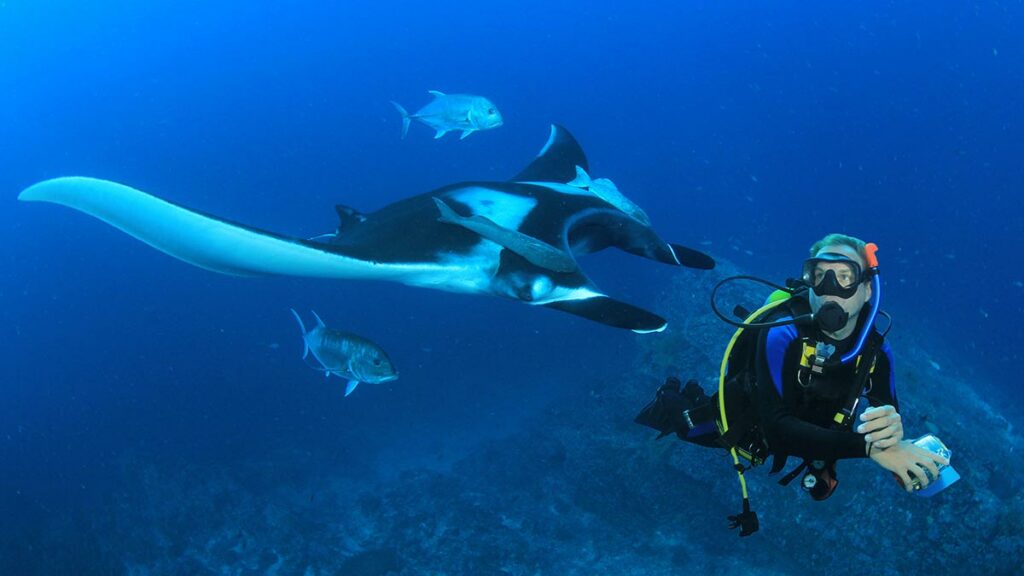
(808, 355)
(739, 472)
(723, 423)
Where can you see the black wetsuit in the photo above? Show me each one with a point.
(798, 420)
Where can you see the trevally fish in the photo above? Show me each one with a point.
(350, 356)
(606, 190)
(450, 112)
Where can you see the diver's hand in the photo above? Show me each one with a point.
(905, 460)
(883, 426)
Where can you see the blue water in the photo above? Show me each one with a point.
(746, 130)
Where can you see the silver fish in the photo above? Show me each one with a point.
(535, 251)
(606, 190)
(350, 356)
(449, 112)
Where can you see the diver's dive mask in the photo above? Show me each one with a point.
(832, 274)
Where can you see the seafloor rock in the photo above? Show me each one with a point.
(583, 490)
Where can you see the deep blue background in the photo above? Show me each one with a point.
(754, 128)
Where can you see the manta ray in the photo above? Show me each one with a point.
(517, 239)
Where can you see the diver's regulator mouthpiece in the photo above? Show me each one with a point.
(831, 317)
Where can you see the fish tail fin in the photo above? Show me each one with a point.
(448, 216)
(305, 345)
(319, 322)
(405, 118)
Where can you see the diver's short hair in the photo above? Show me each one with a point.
(841, 240)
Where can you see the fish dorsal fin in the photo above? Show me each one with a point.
(582, 179)
(435, 93)
(557, 161)
(348, 217)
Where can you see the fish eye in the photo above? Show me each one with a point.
(376, 361)
(490, 110)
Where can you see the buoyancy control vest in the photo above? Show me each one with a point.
(730, 419)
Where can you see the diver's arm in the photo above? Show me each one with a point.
(881, 424)
(887, 374)
(883, 381)
(785, 433)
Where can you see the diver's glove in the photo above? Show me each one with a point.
(665, 412)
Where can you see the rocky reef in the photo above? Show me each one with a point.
(583, 490)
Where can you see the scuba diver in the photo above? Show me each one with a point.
(807, 375)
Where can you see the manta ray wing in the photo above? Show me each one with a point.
(197, 238)
(558, 164)
(557, 160)
(613, 313)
